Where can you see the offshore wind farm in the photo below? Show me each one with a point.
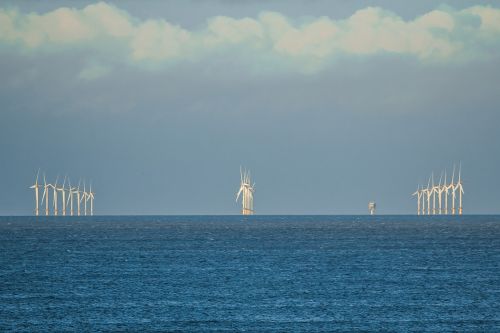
(67, 194)
(427, 197)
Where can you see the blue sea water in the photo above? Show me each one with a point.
(255, 274)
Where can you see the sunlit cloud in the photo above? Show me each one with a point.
(440, 36)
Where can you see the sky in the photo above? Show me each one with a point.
(329, 104)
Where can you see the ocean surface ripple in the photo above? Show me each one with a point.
(255, 274)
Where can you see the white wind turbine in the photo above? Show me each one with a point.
(433, 193)
(84, 198)
(91, 197)
(54, 198)
(247, 190)
(422, 193)
(419, 194)
(78, 197)
(36, 187)
(45, 195)
(461, 190)
(453, 190)
(63, 196)
(445, 190)
(71, 191)
(439, 191)
(428, 193)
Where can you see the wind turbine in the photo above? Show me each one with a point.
(63, 195)
(54, 199)
(46, 195)
(428, 193)
(453, 190)
(71, 191)
(461, 191)
(91, 197)
(422, 191)
(36, 186)
(439, 190)
(445, 190)
(78, 197)
(418, 193)
(433, 193)
(84, 197)
(247, 191)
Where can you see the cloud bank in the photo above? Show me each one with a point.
(440, 36)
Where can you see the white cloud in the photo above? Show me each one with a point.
(438, 36)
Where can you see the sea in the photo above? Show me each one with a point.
(250, 274)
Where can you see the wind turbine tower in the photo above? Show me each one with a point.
(445, 190)
(63, 196)
(428, 193)
(36, 187)
(45, 195)
(439, 191)
(460, 191)
(78, 197)
(453, 190)
(246, 190)
(418, 193)
(84, 198)
(91, 197)
(54, 198)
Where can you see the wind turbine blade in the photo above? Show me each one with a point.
(459, 171)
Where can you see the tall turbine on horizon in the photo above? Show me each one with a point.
(63, 196)
(439, 192)
(36, 186)
(78, 196)
(247, 190)
(445, 190)
(54, 198)
(84, 198)
(428, 193)
(45, 195)
(460, 190)
(91, 197)
(433, 193)
(71, 192)
(419, 194)
(453, 189)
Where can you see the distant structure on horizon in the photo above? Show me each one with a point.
(63, 190)
(426, 197)
(371, 207)
(247, 190)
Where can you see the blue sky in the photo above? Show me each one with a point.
(330, 104)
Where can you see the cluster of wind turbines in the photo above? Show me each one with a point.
(426, 197)
(247, 190)
(81, 196)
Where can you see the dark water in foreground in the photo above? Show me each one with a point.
(274, 273)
